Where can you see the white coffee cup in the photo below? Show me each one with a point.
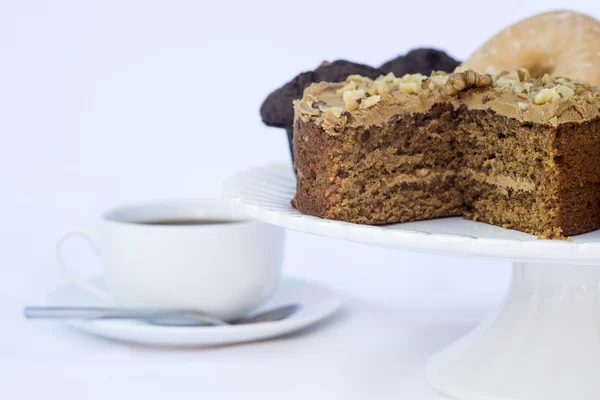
(224, 269)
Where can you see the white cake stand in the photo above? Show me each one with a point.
(543, 343)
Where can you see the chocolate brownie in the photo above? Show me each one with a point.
(420, 61)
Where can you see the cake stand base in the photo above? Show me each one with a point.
(543, 342)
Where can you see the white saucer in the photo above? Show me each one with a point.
(317, 303)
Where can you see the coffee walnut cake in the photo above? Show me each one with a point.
(510, 150)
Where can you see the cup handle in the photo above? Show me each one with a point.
(88, 287)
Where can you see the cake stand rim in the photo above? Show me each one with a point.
(455, 245)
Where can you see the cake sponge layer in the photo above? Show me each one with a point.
(448, 162)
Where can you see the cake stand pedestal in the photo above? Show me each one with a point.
(543, 342)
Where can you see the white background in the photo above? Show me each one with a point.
(113, 101)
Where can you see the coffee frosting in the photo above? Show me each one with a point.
(361, 102)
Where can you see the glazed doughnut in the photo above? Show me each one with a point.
(560, 43)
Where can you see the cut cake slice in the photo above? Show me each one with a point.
(510, 150)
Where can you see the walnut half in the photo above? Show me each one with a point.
(460, 81)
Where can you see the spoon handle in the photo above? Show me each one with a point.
(117, 313)
(157, 316)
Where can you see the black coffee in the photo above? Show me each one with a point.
(188, 221)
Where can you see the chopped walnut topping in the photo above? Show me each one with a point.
(409, 83)
(510, 75)
(381, 87)
(502, 83)
(334, 119)
(438, 81)
(546, 96)
(581, 87)
(522, 107)
(564, 91)
(410, 87)
(387, 78)
(418, 78)
(369, 102)
(583, 83)
(352, 97)
(363, 93)
(567, 83)
(358, 79)
(524, 74)
(334, 112)
(350, 86)
(589, 97)
(508, 78)
(547, 79)
(306, 107)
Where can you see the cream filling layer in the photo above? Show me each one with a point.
(423, 175)
(503, 181)
(427, 175)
